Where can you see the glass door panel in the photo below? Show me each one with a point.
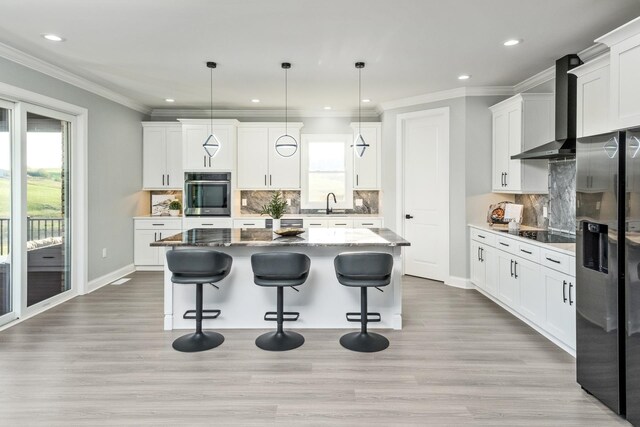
(47, 207)
(6, 294)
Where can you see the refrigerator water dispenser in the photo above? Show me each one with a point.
(595, 247)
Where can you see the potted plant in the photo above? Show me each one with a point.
(276, 207)
(174, 207)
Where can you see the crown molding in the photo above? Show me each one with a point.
(622, 33)
(442, 95)
(29, 61)
(262, 113)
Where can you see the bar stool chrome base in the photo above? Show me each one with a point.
(199, 341)
(280, 341)
(366, 342)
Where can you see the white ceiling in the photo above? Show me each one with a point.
(152, 49)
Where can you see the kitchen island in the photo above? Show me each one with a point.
(322, 301)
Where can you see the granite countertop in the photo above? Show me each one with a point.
(312, 215)
(347, 237)
(160, 217)
(568, 248)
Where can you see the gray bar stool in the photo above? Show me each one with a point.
(280, 269)
(195, 267)
(364, 270)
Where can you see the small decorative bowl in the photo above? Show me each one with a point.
(289, 231)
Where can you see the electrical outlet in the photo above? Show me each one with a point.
(545, 212)
(244, 202)
(104, 252)
(289, 202)
(358, 202)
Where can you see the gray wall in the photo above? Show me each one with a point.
(470, 169)
(114, 165)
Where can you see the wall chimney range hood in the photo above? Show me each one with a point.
(565, 142)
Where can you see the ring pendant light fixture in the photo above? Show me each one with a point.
(360, 145)
(212, 144)
(286, 145)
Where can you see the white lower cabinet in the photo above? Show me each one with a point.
(206, 222)
(148, 231)
(560, 305)
(535, 282)
(342, 222)
(249, 223)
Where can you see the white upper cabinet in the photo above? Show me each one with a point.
(592, 97)
(624, 43)
(195, 133)
(520, 123)
(259, 165)
(162, 155)
(366, 169)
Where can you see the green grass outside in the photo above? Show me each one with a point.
(43, 195)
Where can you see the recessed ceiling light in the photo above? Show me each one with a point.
(255, 100)
(327, 108)
(512, 42)
(53, 37)
(170, 100)
(366, 100)
(464, 77)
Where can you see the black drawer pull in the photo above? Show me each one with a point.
(526, 252)
(248, 223)
(48, 257)
(553, 260)
(314, 224)
(206, 224)
(367, 223)
(504, 244)
(158, 225)
(481, 236)
(339, 223)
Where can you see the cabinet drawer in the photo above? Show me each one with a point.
(340, 223)
(557, 261)
(507, 245)
(527, 251)
(367, 223)
(314, 223)
(158, 224)
(483, 237)
(249, 223)
(190, 223)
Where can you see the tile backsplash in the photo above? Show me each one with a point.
(256, 199)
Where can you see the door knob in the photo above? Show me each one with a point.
(407, 216)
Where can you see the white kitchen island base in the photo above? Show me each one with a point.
(322, 301)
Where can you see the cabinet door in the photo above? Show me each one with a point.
(144, 254)
(161, 253)
(253, 159)
(340, 223)
(367, 223)
(478, 271)
(624, 84)
(593, 103)
(175, 176)
(513, 178)
(314, 223)
(365, 168)
(194, 156)
(532, 291)
(154, 155)
(560, 316)
(507, 284)
(284, 172)
(488, 256)
(224, 159)
(500, 150)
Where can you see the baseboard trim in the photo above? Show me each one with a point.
(149, 268)
(110, 277)
(459, 282)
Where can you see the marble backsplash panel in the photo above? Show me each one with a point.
(562, 195)
(532, 211)
(256, 199)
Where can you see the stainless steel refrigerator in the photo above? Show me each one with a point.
(607, 263)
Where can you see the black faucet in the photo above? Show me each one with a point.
(334, 201)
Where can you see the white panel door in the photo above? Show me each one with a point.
(154, 157)
(143, 254)
(365, 168)
(560, 316)
(513, 178)
(533, 300)
(425, 140)
(478, 270)
(488, 255)
(284, 172)
(193, 136)
(175, 176)
(507, 283)
(253, 159)
(500, 150)
(593, 103)
(224, 160)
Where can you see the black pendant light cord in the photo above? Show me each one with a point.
(360, 101)
(211, 101)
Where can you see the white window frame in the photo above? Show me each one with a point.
(347, 140)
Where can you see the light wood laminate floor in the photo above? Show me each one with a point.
(103, 359)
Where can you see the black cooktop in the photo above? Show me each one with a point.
(544, 236)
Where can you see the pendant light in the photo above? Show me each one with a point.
(286, 145)
(212, 143)
(360, 144)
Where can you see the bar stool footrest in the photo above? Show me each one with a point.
(357, 317)
(287, 316)
(191, 314)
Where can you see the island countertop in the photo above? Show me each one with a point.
(228, 237)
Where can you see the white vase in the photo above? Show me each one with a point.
(174, 212)
(276, 224)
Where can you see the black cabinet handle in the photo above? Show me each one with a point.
(206, 224)
(511, 268)
(526, 252)
(162, 179)
(506, 182)
(553, 260)
(48, 257)
(481, 236)
(265, 180)
(269, 179)
(158, 225)
(502, 179)
(407, 216)
(482, 254)
(570, 287)
(357, 180)
(564, 291)
(515, 269)
(168, 179)
(209, 161)
(155, 236)
(204, 160)
(504, 244)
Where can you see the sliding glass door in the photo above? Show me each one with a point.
(6, 290)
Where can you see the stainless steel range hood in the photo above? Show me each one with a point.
(565, 142)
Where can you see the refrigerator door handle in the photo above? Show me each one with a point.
(564, 291)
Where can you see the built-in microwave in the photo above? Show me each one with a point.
(207, 194)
